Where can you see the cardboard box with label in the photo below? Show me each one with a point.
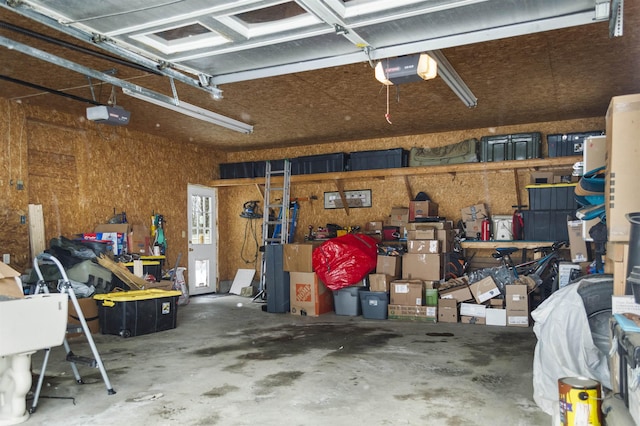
(473, 310)
(407, 292)
(484, 289)
(374, 226)
(416, 313)
(422, 234)
(10, 284)
(447, 310)
(517, 318)
(473, 213)
(422, 266)
(517, 298)
(389, 265)
(465, 319)
(577, 244)
(399, 216)
(309, 296)
(623, 156)
(423, 246)
(473, 228)
(139, 241)
(380, 282)
(459, 293)
(422, 210)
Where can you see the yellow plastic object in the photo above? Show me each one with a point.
(110, 299)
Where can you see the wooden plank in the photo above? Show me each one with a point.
(499, 166)
(36, 230)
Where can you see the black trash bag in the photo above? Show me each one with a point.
(70, 252)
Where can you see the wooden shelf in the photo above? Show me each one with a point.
(495, 244)
(501, 166)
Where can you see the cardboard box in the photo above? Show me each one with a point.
(495, 316)
(459, 293)
(473, 213)
(419, 313)
(380, 282)
(422, 210)
(465, 319)
(309, 296)
(447, 310)
(445, 236)
(623, 157)
(422, 266)
(10, 284)
(473, 228)
(407, 292)
(577, 245)
(517, 298)
(422, 234)
(89, 308)
(442, 224)
(389, 265)
(139, 240)
(495, 303)
(297, 257)
(399, 215)
(160, 285)
(423, 246)
(517, 318)
(473, 310)
(118, 233)
(375, 226)
(484, 289)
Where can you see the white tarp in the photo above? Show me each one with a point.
(565, 347)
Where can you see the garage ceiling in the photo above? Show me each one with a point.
(300, 72)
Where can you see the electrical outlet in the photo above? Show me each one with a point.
(6, 258)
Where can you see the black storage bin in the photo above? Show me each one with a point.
(276, 280)
(382, 159)
(546, 225)
(237, 170)
(568, 144)
(323, 163)
(260, 167)
(518, 146)
(560, 196)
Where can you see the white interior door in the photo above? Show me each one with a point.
(203, 240)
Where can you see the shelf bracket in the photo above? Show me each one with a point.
(340, 188)
(260, 189)
(407, 185)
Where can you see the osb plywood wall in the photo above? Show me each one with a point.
(81, 173)
(496, 189)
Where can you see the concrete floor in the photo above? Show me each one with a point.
(231, 365)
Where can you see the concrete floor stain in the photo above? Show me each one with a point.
(291, 340)
(220, 391)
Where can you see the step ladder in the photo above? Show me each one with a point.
(275, 198)
(64, 286)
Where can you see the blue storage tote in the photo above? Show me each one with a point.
(346, 301)
(382, 159)
(374, 304)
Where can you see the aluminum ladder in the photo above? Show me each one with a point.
(275, 198)
(65, 286)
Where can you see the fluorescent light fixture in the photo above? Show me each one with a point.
(405, 69)
(453, 80)
(190, 110)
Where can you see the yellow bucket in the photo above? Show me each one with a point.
(580, 401)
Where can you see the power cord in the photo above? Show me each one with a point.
(249, 231)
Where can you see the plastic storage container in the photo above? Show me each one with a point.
(546, 225)
(560, 196)
(237, 170)
(133, 313)
(324, 163)
(346, 301)
(568, 144)
(260, 167)
(382, 159)
(374, 304)
(518, 146)
(431, 297)
(91, 273)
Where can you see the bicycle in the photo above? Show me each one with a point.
(539, 274)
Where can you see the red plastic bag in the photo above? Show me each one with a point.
(343, 261)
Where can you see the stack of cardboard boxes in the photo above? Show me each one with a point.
(308, 294)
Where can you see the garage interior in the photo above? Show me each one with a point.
(197, 86)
